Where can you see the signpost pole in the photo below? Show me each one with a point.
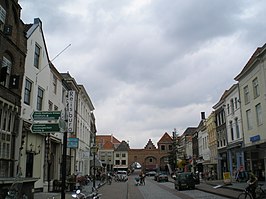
(63, 168)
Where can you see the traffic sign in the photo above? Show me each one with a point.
(45, 128)
(46, 115)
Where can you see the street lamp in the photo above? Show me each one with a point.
(94, 149)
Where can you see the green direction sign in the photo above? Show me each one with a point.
(45, 128)
(46, 115)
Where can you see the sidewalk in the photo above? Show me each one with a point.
(227, 190)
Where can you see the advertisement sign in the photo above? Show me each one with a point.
(227, 178)
(71, 111)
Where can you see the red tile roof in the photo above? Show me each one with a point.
(166, 138)
(104, 138)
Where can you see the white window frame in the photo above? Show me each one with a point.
(256, 90)
(259, 114)
(249, 117)
(246, 95)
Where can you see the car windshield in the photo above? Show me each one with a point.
(185, 176)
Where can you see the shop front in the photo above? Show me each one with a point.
(255, 160)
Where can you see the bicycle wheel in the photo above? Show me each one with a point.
(245, 196)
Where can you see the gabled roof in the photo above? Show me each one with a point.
(123, 146)
(108, 145)
(150, 145)
(166, 138)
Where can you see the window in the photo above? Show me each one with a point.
(64, 95)
(248, 115)
(246, 95)
(37, 56)
(124, 162)
(5, 144)
(54, 84)
(232, 106)
(228, 109)
(50, 105)
(170, 147)
(2, 17)
(259, 114)
(163, 148)
(231, 130)
(27, 92)
(5, 72)
(237, 128)
(236, 102)
(117, 162)
(117, 155)
(150, 160)
(256, 91)
(123, 155)
(39, 99)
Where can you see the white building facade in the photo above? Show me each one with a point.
(41, 152)
(252, 89)
(234, 130)
(84, 122)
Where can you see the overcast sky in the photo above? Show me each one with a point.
(150, 66)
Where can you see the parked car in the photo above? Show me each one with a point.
(151, 173)
(162, 177)
(184, 180)
(122, 175)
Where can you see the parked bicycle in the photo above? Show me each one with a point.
(16, 192)
(93, 195)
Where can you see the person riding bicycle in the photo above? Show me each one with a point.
(109, 178)
(252, 185)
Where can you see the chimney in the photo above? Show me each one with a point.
(203, 115)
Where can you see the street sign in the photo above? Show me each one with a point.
(46, 115)
(72, 143)
(45, 128)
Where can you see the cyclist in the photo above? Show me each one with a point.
(252, 184)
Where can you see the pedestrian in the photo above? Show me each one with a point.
(142, 178)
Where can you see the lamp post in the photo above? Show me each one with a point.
(94, 151)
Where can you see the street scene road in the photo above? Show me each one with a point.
(151, 190)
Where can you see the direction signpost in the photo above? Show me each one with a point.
(46, 115)
(45, 128)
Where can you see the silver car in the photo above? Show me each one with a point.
(122, 176)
